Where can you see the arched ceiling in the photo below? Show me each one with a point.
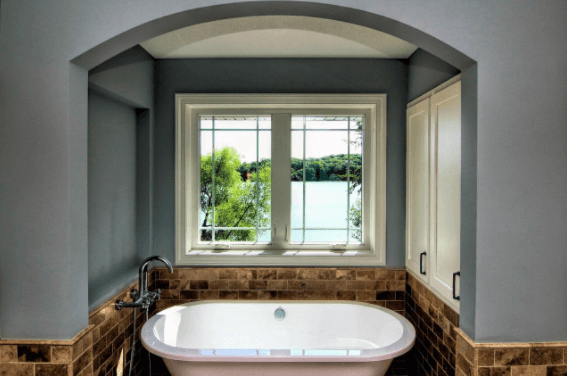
(277, 36)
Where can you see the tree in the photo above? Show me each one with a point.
(238, 202)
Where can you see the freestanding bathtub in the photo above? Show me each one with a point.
(290, 338)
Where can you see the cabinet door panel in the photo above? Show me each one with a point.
(417, 187)
(446, 189)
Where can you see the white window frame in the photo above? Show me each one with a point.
(188, 108)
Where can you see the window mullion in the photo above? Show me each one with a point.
(281, 179)
(257, 178)
(213, 183)
(304, 177)
(348, 183)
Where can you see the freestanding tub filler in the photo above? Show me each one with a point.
(291, 338)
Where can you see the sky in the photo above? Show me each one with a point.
(319, 142)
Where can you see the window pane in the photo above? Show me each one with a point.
(297, 122)
(326, 122)
(321, 122)
(356, 122)
(297, 181)
(235, 122)
(327, 180)
(326, 205)
(325, 236)
(325, 190)
(355, 186)
(232, 235)
(297, 236)
(355, 213)
(297, 204)
(236, 192)
(206, 123)
(265, 122)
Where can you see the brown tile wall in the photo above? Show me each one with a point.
(100, 350)
(379, 286)
(435, 350)
(112, 336)
(510, 359)
(103, 349)
(47, 358)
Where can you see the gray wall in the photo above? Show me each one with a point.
(280, 76)
(425, 72)
(521, 167)
(112, 190)
(121, 102)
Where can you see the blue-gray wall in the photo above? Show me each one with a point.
(121, 103)
(111, 190)
(47, 48)
(425, 72)
(280, 76)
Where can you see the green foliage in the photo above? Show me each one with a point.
(355, 216)
(238, 202)
(239, 186)
(329, 168)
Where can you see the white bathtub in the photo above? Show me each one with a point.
(238, 338)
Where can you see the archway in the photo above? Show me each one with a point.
(130, 38)
(154, 28)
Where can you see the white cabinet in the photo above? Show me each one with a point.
(417, 189)
(433, 198)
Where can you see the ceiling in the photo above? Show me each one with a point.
(277, 37)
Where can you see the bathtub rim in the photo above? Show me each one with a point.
(159, 348)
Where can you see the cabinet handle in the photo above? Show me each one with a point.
(454, 284)
(421, 262)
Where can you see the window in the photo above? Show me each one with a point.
(280, 179)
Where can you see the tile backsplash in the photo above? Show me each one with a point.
(441, 349)
(380, 286)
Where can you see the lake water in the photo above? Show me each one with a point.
(326, 206)
(325, 212)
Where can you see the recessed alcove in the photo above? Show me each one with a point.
(265, 54)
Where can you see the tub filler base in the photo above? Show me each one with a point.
(181, 368)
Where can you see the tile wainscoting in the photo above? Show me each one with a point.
(435, 323)
(510, 359)
(102, 349)
(380, 286)
(47, 358)
(384, 287)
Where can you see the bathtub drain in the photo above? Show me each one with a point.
(279, 314)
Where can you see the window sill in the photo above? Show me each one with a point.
(287, 258)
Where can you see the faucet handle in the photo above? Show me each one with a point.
(134, 294)
(153, 295)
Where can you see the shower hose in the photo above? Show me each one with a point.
(133, 347)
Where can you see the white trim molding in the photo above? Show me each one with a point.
(188, 108)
